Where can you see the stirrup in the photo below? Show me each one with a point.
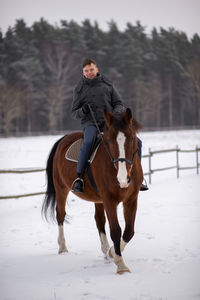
(77, 190)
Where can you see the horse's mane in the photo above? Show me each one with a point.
(137, 125)
(119, 121)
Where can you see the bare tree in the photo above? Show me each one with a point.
(11, 108)
(60, 64)
(194, 72)
(148, 102)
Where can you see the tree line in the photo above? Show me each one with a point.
(157, 74)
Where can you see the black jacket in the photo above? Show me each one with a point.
(100, 94)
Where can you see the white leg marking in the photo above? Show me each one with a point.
(112, 250)
(61, 240)
(122, 245)
(121, 267)
(122, 172)
(104, 243)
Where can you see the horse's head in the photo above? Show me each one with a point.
(120, 138)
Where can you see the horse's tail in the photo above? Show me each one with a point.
(49, 203)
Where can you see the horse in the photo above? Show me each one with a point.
(118, 175)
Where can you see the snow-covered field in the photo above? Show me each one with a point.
(164, 255)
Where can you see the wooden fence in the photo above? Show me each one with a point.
(177, 166)
(150, 172)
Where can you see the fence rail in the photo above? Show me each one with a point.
(176, 166)
(28, 170)
(150, 172)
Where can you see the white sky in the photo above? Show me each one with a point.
(183, 15)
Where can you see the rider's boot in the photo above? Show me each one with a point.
(144, 186)
(78, 184)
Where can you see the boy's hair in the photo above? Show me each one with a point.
(88, 61)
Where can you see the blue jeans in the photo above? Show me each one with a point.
(139, 148)
(89, 135)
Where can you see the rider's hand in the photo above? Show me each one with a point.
(85, 108)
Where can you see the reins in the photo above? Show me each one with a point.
(97, 126)
(114, 161)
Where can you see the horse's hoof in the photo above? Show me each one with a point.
(121, 267)
(62, 251)
(122, 271)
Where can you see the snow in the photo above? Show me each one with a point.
(164, 254)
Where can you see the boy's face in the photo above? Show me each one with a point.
(90, 71)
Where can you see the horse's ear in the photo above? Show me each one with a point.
(128, 115)
(107, 117)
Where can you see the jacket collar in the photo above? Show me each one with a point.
(92, 82)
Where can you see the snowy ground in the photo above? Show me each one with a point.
(164, 255)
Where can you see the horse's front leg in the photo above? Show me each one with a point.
(115, 232)
(130, 208)
(100, 222)
(112, 250)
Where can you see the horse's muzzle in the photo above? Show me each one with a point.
(124, 184)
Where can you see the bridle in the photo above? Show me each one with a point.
(120, 159)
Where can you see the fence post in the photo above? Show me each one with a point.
(177, 162)
(197, 159)
(149, 165)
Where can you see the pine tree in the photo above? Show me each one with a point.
(157, 75)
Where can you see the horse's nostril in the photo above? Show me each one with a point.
(117, 181)
(128, 179)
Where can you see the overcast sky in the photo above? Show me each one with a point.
(183, 15)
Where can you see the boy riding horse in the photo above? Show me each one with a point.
(97, 91)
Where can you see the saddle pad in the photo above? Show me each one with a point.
(72, 152)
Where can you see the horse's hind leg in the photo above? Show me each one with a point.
(61, 196)
(100, 222)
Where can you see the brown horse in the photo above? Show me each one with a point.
(118, 176)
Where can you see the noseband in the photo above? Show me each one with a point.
(120, 159)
